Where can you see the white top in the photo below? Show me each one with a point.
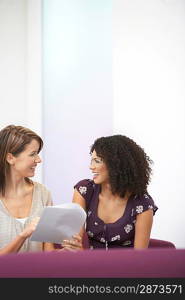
(10, 227)
(22, 220)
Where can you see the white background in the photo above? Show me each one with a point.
(139, 89)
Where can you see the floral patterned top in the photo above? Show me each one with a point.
(111, 235)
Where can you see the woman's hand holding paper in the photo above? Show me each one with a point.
(30, 228)
(74, 244)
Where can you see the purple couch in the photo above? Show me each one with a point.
(127, 263)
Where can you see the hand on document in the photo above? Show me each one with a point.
(73, 244)
(30, 228)
(60, 222)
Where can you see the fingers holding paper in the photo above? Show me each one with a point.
(30, 228)
(73, 244)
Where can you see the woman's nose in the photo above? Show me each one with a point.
(91, 167)
(38, 159)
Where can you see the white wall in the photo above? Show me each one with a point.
(20, 61)
(149, 99)
(77, 88)
(12, 62)
(142, 69)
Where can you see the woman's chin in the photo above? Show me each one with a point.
(96, 181)
(31, 174)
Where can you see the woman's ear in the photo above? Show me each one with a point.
(10, 158)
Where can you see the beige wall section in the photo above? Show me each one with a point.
(20, 61)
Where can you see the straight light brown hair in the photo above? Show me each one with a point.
(13, 139)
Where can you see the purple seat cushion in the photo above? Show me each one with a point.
(154, 243)
(128, 263)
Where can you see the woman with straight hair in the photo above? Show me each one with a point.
(21, 199)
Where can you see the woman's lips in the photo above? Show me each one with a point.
(95, 176)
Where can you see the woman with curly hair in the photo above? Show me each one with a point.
(119, 209)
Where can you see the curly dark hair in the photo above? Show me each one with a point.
(128, 165)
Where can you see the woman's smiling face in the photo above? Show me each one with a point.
(99, 169)
(24, 164)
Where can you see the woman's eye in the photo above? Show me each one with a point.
(33, 154)
(97, 161)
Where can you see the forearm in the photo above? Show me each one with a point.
(13, 246)
(141, 244)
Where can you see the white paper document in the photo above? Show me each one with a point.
(59, 222)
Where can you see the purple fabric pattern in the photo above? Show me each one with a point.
(112, 235)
